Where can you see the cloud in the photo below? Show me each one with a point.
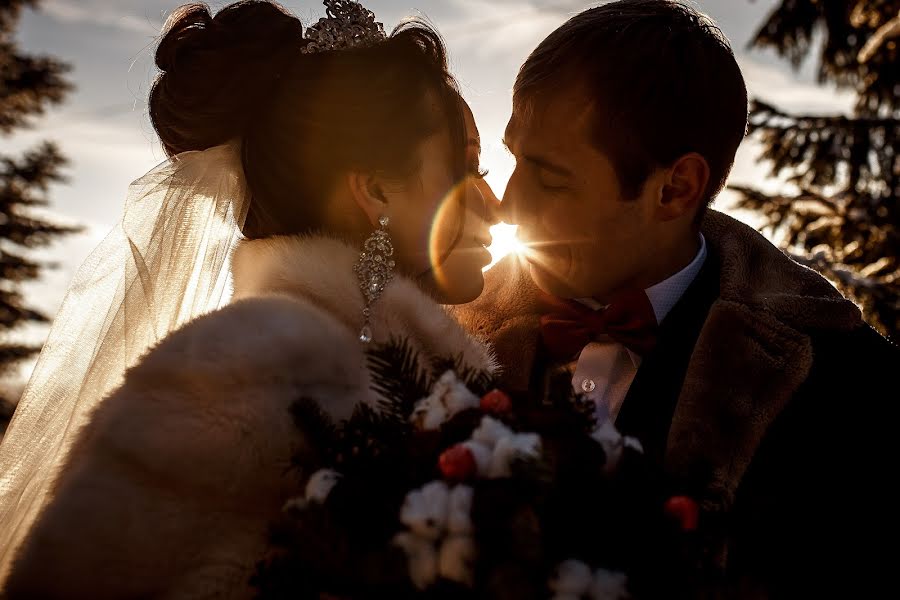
(495, 27)
(103, 13)
(778, 85)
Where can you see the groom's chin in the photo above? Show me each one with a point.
(548, 281)
(462, 291)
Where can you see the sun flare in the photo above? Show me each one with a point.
(505, 242)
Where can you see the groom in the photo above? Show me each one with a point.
(749, 377)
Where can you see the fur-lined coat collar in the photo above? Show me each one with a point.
(753, 353)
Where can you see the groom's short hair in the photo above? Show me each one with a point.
(663, 81)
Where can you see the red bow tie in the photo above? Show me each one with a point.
(568, 326)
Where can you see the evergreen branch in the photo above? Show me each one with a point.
(36, 169)
(769, 114)
(29, 232)
(820, 151)
(851, 239)
(12, 354)
(791, 28)
(397, 377)
(27, 85)
(12, 313)
(10, 13)
(477, 380)
(17, 268)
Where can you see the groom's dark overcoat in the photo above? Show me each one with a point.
(767, 398)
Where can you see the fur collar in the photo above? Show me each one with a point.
(319, 270)
(757, 275)
(753, 353)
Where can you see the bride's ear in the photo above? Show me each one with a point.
(368, 193)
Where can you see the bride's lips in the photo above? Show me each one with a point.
(487, 257)
(481, 249)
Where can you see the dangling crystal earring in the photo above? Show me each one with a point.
(374, 269)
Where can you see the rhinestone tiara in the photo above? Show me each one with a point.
(348, 25)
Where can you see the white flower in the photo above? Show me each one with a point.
(454, 393)
(421, 558)
(573, 578)
(634, 444)
(320, 485)
(298, 503)
(456, 558)
(490, 431)
(494, 446)
(431, 513)
(429, 413)
(482, 455)
(459, 513)
(609, 585)
(425, 510)
(609, 437)
(448, 397)
(508, 449)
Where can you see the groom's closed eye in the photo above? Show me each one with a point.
(550, 172)
(550, 180)
(548, 177)
(548, 167)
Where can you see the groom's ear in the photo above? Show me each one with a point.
(368, 193)
(683, 187)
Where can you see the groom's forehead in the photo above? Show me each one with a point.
(566, 117)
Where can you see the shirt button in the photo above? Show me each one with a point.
(588, 386)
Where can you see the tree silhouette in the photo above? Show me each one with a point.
(28, 84)
(844, 218)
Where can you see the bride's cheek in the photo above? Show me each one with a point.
(442, 228)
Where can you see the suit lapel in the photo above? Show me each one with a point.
(650, 403)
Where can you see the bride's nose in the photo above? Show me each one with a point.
(488, 200)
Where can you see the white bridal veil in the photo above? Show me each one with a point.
(165, 263)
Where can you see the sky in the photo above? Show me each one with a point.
(104, 130)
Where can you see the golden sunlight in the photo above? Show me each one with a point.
(505, 242)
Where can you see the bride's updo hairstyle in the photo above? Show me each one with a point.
(303, 119)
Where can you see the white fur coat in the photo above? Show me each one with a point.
(171, 487)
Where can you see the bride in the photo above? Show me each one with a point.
(346, 164)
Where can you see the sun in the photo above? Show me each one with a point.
(505, 242)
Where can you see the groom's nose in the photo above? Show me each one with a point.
(505, 212)
(510, 209)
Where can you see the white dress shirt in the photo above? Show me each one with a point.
(605, 369)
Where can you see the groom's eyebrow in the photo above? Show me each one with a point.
(548, 165)
(541, 162)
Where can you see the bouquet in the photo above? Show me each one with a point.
(452, 488)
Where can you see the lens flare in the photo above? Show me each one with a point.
(445, 230)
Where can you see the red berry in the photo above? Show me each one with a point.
(684, 510)
(496, 402)
(457, 463)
